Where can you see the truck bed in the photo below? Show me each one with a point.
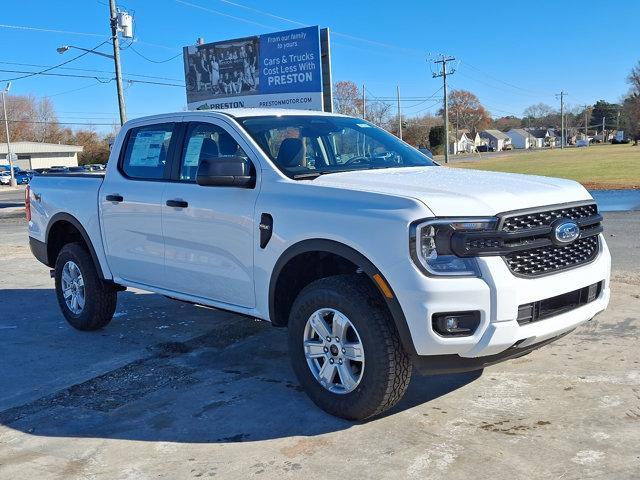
(73, 196)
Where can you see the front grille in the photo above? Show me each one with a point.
(550, 307)
(517, 222)
(540, 261)
(532, 260)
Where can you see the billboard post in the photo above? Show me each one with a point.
(327, 83)
(282, 69)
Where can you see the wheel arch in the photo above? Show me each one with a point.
(60, 224)
(349, 254)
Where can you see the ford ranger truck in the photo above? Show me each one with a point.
(378, 260)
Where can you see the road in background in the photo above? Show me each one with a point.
(170, 390)
(11, 197)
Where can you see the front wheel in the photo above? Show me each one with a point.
(345, 349)
(87, 302)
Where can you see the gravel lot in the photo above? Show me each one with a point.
(174, 391)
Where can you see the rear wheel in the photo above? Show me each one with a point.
(345, 349)
(87, 302)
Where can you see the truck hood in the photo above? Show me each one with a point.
(457, 192)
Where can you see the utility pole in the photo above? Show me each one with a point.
(457, 126)
(364, 103)
(399, 113)
(586, 122)
(113, 20)
(443, 60)
(12, 182)
(561, 95)
(603, 137)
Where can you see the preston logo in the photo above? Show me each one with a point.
(566, 232)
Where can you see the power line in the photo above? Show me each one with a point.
(295, 22)
(429, 107)
(42, 122)
(100, 79)
(73, 90)
(216, 12)
(89, 70)
(50, 30)
(154, 61)
(31, 74)
(507, 83)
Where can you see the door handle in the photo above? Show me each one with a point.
(177, 203)
(114, 198)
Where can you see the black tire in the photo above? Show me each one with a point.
(100, 297)
(387, 370)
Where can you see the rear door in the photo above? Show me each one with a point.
(130, 200)
(208, 230)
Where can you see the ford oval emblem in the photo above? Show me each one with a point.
(566, 231)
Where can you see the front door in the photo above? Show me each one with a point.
(208, 230)
(130, 201)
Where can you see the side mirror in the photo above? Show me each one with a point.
(226, 172)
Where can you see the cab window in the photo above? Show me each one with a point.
(205, 141)
(145, 155)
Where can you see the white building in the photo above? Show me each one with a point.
(32, 155)
(462, 144)
(522, 139)
(496, 139)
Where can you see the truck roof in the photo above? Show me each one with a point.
(243, 113)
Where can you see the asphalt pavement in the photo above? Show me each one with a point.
(170, 390)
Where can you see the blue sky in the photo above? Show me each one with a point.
(510, 54)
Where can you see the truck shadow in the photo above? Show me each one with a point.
(161, 371)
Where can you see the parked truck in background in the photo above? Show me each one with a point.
(377, 260)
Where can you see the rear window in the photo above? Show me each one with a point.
(146, 151)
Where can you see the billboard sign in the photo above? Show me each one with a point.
(281, 69)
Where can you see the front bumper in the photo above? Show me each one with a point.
(496, 296)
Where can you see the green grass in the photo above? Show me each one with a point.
(596, 167)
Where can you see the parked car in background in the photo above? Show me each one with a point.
(57, 169)
(376, 259)
(485, 148)
(97, 167)
(583, 142)
(22, 178)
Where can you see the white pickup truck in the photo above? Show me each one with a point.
(376, 259)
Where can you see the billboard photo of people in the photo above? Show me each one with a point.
(222, 69)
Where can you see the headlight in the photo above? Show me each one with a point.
(430, 245)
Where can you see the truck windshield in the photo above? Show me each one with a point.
(307, 146)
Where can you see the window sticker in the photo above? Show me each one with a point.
(147, 148)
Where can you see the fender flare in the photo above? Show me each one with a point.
(337, 248)
(62, 216)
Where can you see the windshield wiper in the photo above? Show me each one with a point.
(307, 176)
(317, 173)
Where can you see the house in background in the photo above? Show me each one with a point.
(571, 135)
(32, 155)
(536, 138)
(548, 136)
(461, 144)
(474, 139)
(521, 139)
(496, 140)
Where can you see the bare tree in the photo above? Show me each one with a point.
(540, 115)
(347, 99)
